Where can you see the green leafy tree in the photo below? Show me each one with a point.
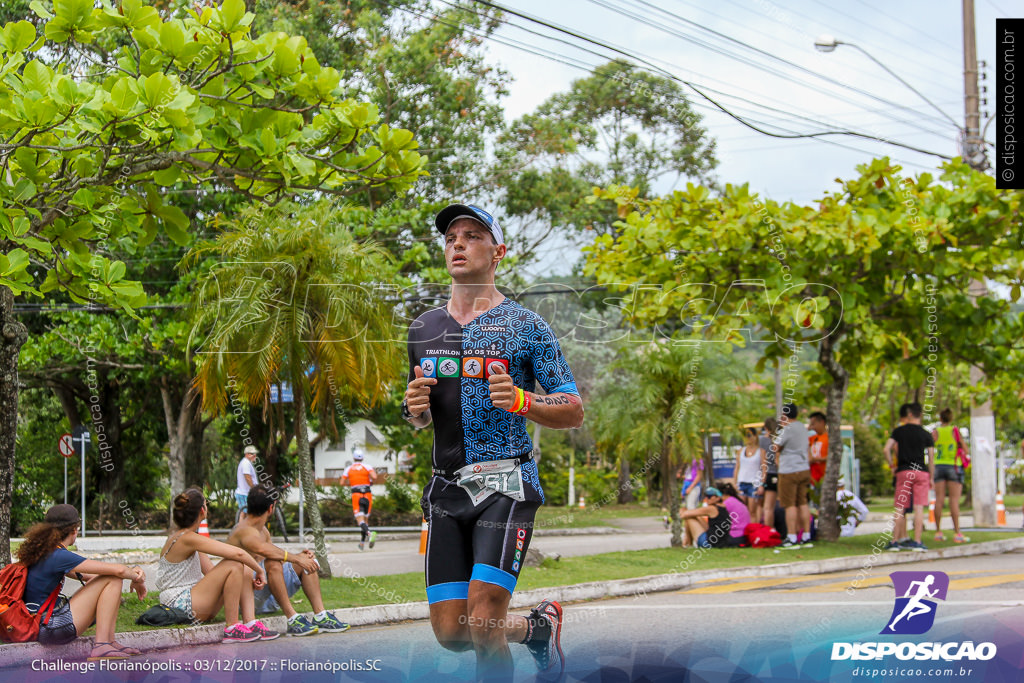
(668, 394)
(292, 300)
(426, 66)
(91, 135)
(620, 125)
(856, 276)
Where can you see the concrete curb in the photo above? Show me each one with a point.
(582, 531)
(173, 637)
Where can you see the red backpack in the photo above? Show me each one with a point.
(761, 536)
(17, 624)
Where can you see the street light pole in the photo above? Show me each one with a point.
(827, 43)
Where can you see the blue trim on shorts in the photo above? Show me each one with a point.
(702, 541)
(453, 590)
(489, 574)
(242, 500)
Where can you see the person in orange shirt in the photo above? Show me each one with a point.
(360, 477)
(818, 446)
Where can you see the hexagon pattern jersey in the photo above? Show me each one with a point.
(468, 428)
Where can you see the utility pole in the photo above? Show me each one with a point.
(973, 146)
(983, 425)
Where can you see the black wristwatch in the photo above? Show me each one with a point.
(406, 415)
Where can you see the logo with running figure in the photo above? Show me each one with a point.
(916, 595)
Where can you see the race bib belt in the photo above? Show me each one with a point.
(483, 479)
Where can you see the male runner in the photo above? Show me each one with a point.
(359, 477)
(473, 366)
(251, 534)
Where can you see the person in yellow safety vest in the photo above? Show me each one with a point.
(949, 474)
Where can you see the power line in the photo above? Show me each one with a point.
(918, 29)
(790, 26)
(588, 67)
(902, 57)
(661, 27)
(880, 27)
(700, 92)
(746, 98)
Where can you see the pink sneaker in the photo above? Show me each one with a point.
(260, 629)
(239, 633)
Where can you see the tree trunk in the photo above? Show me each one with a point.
(316, 522)
(536, 442)
(866, 419)
(835, 394)
(108, 444)
(668, 489)
(185, 429)
(625, 485)
(101, 395)
(196, 466)
(673, 510)
(12, 335)
(262, 431)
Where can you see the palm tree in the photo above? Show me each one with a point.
(291, 298)
(668, 394)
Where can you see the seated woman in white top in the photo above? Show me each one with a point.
(189, 581)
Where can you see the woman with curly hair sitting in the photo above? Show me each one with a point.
(45, 553)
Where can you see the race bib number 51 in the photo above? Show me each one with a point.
(483, 479)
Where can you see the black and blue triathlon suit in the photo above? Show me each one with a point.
(486, 542)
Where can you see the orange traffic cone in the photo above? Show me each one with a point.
(1000, 510)
(424, 531)
(583, 503)
(203, 529)
(931, 507)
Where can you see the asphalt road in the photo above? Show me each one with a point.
(774, 629)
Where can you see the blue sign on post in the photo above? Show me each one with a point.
(286, 393)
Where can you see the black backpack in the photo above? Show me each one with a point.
(162, 615)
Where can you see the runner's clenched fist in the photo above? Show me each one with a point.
(417, 394)
(503, 391)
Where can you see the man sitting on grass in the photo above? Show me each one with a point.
(283, 569)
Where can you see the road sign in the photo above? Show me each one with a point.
(286, 393)
(64, 445)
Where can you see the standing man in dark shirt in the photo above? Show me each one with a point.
(915, 464)
(473, 366)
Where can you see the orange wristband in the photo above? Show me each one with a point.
(517, 402)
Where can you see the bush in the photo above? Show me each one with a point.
(597, 484)
(875, 477)
(400, 497)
